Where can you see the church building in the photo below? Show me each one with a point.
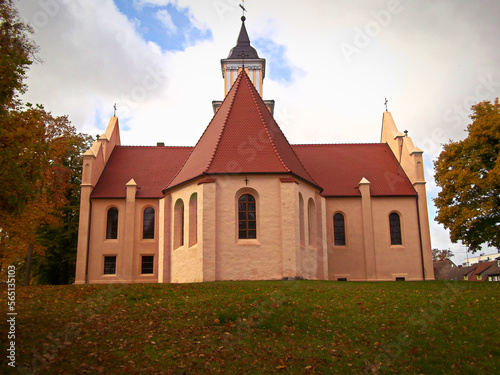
(245, 204)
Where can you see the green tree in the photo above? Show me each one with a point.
(468, 173)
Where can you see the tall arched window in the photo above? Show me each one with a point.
(301, 221)
(247, 217)
(338, 229)
(178, 224)
(395, 228)
(193, 220)
(311, 215)
(148, 223)
(112, 224)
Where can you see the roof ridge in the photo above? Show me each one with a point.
(223, 124)
(265, 125)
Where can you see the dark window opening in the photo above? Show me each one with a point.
(395, 228)
(247, 217)
(110, 265)
(148, 224)
(112, 224)
(147, 265)
(339, 230)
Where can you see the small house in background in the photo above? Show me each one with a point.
(492, 273)
(484, 271)
(446, 270)
(481, 258)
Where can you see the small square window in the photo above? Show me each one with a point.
(147, 265)
(110, 265)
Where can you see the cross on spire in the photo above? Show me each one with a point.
(114, 110)
(243, 10)
(386, 101)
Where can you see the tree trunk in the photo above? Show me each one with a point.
(28, 264)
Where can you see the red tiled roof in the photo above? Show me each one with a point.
(241, 138)
(338, 169)
(151, 168)
(479, 269)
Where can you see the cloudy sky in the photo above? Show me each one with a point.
(330, 65)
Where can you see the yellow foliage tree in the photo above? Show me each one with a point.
(468, 173)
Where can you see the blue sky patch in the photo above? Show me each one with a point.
(277, 65)
(166, 25)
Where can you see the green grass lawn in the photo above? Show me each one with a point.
(303, 327)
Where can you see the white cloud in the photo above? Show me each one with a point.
(166, 20)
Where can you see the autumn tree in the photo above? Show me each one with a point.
(468, 173)
(37, 175)
(45, 159)
(438, 255)
(16, 55)
(17, 51)
(57, 262)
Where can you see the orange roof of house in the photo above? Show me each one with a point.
(151, 168)
(480, 267)
(338, 169)
(242, 137)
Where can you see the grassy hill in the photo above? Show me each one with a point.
(266, 327)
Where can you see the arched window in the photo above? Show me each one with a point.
(311, 215)
(247, 217)
(193, 220)
(148, 223)
(301, 221)
(338, 229)
(395, 228)
(179, 224)
(112, 224)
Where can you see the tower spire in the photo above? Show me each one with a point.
(243, 56)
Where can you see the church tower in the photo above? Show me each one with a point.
(243, 56)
